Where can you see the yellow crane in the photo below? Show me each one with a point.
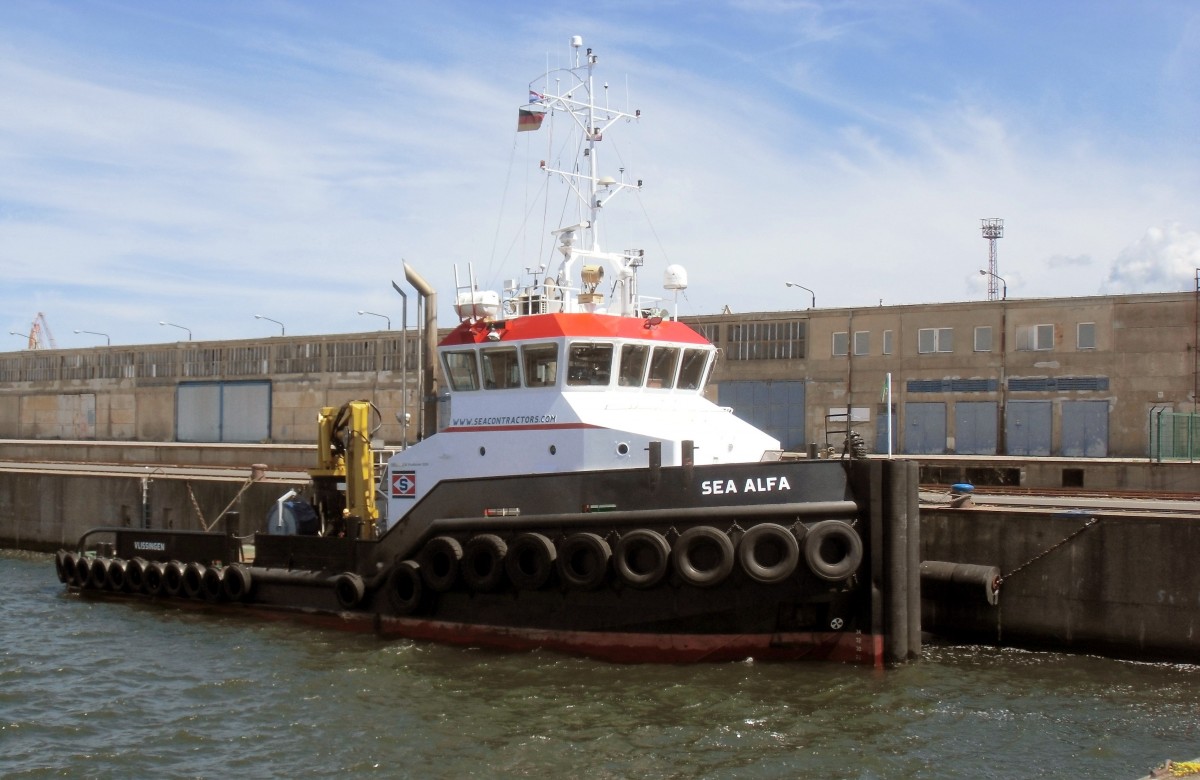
(344, 478)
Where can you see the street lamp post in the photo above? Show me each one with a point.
(107, 340)
(810, 292)
(282, 330)
(173, 325)
(404, 414)
(999, 278)
(1002, 396)
(373, 314)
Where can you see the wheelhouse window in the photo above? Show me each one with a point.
(501, 368)
(589, 364)
(663, 362)
(541, 365)
(461, 369)
(691, 372)
(633, 365)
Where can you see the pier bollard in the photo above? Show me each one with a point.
(233, 523)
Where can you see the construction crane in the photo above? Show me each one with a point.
(40, 336)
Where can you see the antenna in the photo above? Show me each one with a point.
(993, 229)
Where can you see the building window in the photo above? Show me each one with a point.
(935, 340)
(780, 340)
(710, 331)
(841, 344)
(887, 342)
(1085, 337)
(983, 338)
(1035, 338)
(862, 342)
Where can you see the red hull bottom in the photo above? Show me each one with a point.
(625, 647)
(614, 646)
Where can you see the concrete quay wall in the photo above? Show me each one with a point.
(1127, 585)
(46, 511)
(1044, 473)
(156, 453)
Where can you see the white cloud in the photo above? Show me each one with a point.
(289, 175)
(1165, 259)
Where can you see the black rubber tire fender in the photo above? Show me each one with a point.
(193, 580)
(405, 587)
(237, 582)
(60, 568)
(99, 575)
(135, 575)
(349, 589)
(83, 571)
(156, 578)
(70, 566)
(685, 552)
(173, 579)
(583, 560)
(116, 575)
(530, 561)
(771, 572)
(833, 550)
(440, 562)
(483, 562)
(212, 584)
(641, 558)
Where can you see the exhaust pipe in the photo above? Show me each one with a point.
(427, 424)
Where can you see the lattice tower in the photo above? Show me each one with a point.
(993, 229)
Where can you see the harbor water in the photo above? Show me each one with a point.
(90, 688)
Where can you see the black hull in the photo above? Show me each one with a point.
(781, 560)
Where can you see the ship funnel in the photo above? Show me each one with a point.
(428, 422)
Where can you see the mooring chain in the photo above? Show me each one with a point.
(1091, 522)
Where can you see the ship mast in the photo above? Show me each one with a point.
(579, 101)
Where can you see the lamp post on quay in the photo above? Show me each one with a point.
(373, 314)
(999, 278)
(282, 330)
(810, 292)
(173, 325)
(107, 340)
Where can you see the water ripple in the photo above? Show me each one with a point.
(90, 688)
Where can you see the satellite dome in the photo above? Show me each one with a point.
(675, 278)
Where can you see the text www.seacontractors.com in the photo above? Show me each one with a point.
(528, 419)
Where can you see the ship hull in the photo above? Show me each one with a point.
(646, 565)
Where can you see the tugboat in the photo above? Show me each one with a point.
(583, 494)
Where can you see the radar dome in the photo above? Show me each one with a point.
(675, 278)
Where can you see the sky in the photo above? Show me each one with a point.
(201, 161)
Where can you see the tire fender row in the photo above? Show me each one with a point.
(700, 556)
(233, 582)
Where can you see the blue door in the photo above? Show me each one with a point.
(975, 427)
(1027, 427)
(925, 428)
(774, 407)
(1085, 429)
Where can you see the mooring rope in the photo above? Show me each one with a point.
(209, 526)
